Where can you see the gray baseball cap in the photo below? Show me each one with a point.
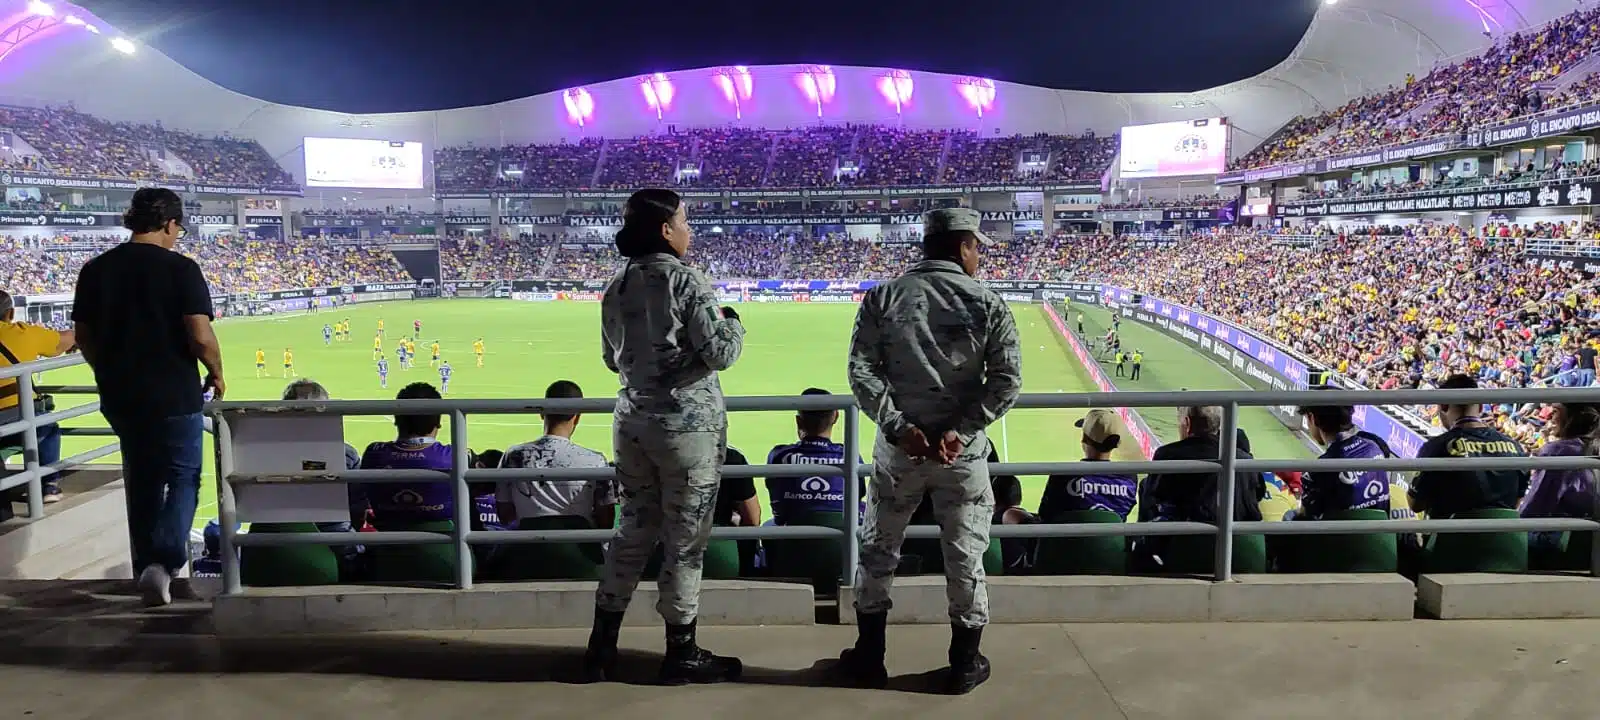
(948, 219)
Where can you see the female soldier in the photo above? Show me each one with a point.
(663, 334)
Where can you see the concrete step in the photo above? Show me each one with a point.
(85, 531)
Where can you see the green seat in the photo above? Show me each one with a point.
(1370, 553)
(548, 561)
(1505, 552)
(415, 563)
(820, 561)
(927, 557)
(1196, 554)
(721, 563)
(1082, 555)
(289, 565)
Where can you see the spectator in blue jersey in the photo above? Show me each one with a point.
(1324, 493)
(1564, 493)
(1110, 491)
(792, 496)
(402, 506)
(209, 564)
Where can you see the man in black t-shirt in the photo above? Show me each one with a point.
(737, 497)
(143, 319)
(1443, 494)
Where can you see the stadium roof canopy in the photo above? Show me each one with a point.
(1352, 47)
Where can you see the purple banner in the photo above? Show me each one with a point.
(1263, 364)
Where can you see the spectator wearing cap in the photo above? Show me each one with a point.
(22, 342)
(1107, 490)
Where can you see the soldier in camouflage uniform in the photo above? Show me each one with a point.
(665, 337)
(934, 360)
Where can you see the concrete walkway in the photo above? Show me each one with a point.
(84, 650)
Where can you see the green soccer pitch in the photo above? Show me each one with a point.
(787, 349)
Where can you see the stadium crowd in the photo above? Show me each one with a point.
(1490, 87)
(871, 155)
(67, 142)
(1191, 201)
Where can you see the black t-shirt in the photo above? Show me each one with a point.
(1586, 358)
(133, 298)
(1450, 492)
(733, 490)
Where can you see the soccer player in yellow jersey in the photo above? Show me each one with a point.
(435, 348)
(380, 328)
(261, 363)
(377, 345)
(288, 362)
(477, 349)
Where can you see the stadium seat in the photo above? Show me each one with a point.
(415, 563)
(1082, 555)
(721, 563)
(923, 556)
(1574, 553)
(1478, 552)
(548, 561)
(15, 494)
(820, 561)
(289, 565)
(1196, 554)
(1368, 553)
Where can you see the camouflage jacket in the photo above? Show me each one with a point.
(937, 350)
(662, 333)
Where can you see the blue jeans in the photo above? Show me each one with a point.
(161, 476)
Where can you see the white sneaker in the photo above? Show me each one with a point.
(155, 585)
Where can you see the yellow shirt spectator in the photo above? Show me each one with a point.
(28, 342)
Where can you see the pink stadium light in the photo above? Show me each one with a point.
(580, 105)
(818, 84)
(736, 85)
(896, 86)
(979, 93)
(658, 92)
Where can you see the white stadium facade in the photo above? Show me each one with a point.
(1352, 47)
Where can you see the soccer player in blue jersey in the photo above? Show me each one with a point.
(793, 496)
(444, 377)
(327, 334)
(383, 372)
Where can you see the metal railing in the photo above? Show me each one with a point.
(1225, 466)
(33, 473)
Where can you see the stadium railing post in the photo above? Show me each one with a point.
(464, 506)
(227, 507)
(852, 493)
(1229, 449)
(30, 447)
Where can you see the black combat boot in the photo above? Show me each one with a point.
(687, 663)
(968, 667)
(862, 666)
(600, 660)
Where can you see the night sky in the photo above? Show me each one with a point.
(364, 56)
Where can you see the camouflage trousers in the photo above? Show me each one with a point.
(669, 488)
(963, 504)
